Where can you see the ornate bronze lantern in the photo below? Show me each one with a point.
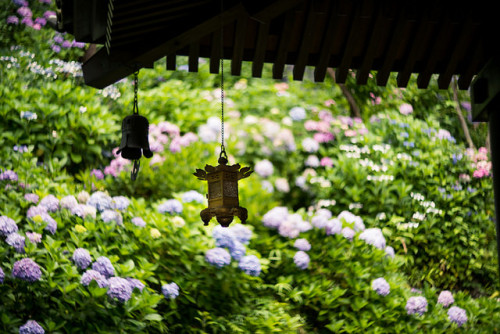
(223, 202)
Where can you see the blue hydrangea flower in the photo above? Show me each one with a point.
(101, 201)
(297, 113)
(264, 168)
(374, 237)
(416, 305)
(31, 327)
(381, 286)
(274, 217)
(170, 291)
(237, 251)
(302, 244)
(333, 226)
(82, 258)
(68, 202)
(2, 275)
(223, 236)
(51, 223)
(445, 298)
(7, 226)
(27, 270)
(193, 196)
(50, 202)
(389, 251)
(104, 267)
(301, 260)
(119, 288)
(171, 206)
(138, 221)
(120, 203)
(112, 215)
(135, 284)
(17, 241)
(250, 265)
(218, 257)
(457, 315)
(93, 275)
(242, 233)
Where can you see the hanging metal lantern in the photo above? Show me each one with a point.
(223, 202)
(135, 135)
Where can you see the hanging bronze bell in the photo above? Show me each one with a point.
(223, 202)
(135, 141)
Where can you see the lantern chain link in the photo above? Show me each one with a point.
(136, 89)
(222, 102)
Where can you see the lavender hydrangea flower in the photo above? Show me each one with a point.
(310, 145)
(416, 305)
(250, 265)
(82, 258)
(34, 237)
(120, 203)
(218, 257)
(312, 161)
(104, 267)
(237, 251)
(445, 298)
(101, 201)
(242, 233)
(50, 202)
(83, 211)
(374, 237)
(223, 236)
(68, 202)
(264, 168)
(36, 211)
(7, 226)
(301, 260)
(170, 291)
(333, 226)
(93, 275)
(83, 197)
(17, 241)
(97, 173)
(171, 206)
(351, 218)
(193, 196)
(302, 244)
(348, 233)
(319, 221)
(2, 276)
(119, 288)
(297, 113)
(8, 175)
(51, 223)
(12, 19)
(27, 270)
(135, 284)
(274, 217)
(138, 221)
(31, 327)
(457, 315)
(381, 286)
(112, 215)
(33, 198)
(389, 251)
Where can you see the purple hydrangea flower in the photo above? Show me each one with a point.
(302, 244)
(223, 236)
(82, 258)
(17, 241)
(193, 196)
(101, 201)
(55, 48)
(416, 305)
(68, 202)
(12, 19)
(112, 215)
(135, 284)
(104, 267)
(120, 202)
(2, 275)
(34, 237)
(48, 14)
(20, 3)
(333, 226)
(41, 21)
(8, 175)
(445, 298)
(171, 206)
(97, 173)
(119, 288)
(301, 260)
(381, 286)
(242, 233)
(24, 11)
(33, 198)
(36, 211)
(93, 275)
(27, 270)
(389, 251)
(264, 168)
(250, 264)
(7, 226)
(274, 217)
(457, 315)
(170, 291)
(138, 221)
(237, 251)
(374, 237)
(31, 327)
(218, 257)
(348, 233)
(50, 202)
(51, 223)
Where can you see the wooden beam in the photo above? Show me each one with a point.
(239, 44)
(281, 53)
(194, 54)
(473, 67)
(305, 45)
(215, 52)
(260, 50)
(171, 61)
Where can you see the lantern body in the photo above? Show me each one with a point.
(135, 141)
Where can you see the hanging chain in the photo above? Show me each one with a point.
(223, 149)
(136, 89)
